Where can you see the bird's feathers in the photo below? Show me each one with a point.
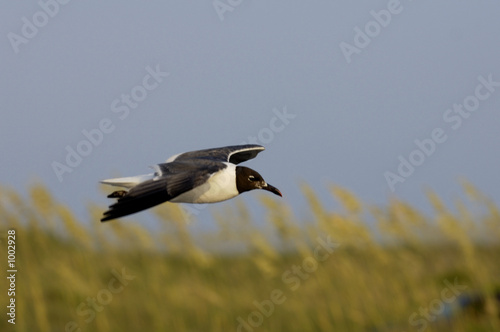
(143, 196)
(169, 181)
(128, 182)
(233, 154)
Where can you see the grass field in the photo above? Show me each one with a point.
(327, 272)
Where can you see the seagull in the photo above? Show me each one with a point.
(203, 176)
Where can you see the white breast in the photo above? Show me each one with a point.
(219, 187)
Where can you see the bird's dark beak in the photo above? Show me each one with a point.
(272, 189)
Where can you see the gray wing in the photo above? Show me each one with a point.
(171, 180)
(234, 154)
(184, 175)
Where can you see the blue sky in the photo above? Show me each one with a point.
(337, 91)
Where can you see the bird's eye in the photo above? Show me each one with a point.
(251, 178)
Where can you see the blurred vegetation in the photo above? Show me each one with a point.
(392, 268)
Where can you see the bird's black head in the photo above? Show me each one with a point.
(248, 179)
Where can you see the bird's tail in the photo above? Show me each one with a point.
(128, 182)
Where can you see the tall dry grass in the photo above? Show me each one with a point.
(359, 268)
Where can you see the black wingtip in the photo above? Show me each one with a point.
(139, 198)
(108, 215)
(117, 194)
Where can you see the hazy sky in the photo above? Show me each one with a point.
(337, 91)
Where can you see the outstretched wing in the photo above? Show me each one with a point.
(234, 154)
(171, 180)
(143, 196)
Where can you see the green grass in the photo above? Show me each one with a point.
(373, 279)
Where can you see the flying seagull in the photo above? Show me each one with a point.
(203, 176)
